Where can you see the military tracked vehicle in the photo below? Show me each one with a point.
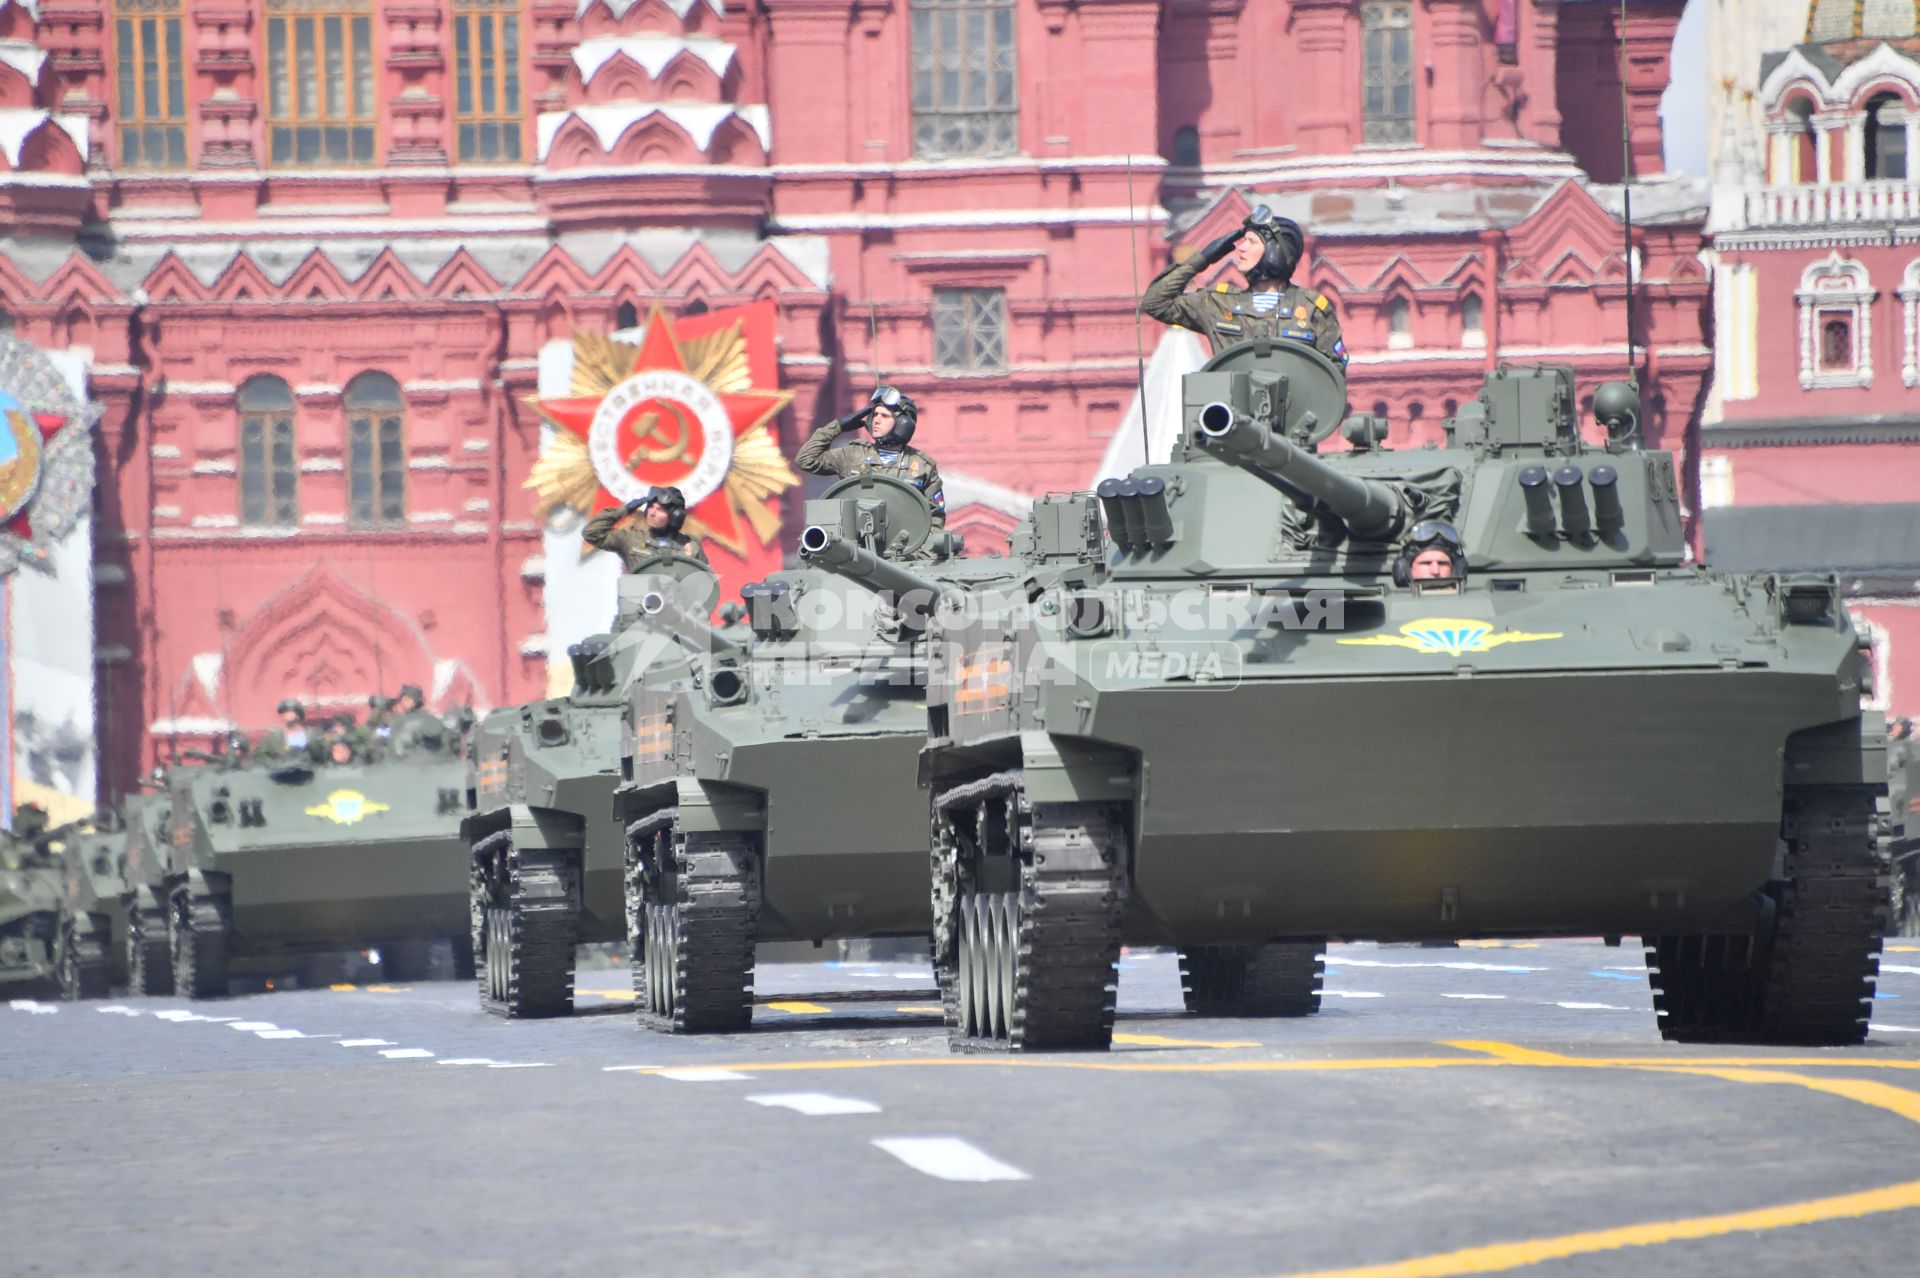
(278, 865)
(773, 796)
(1903, 802)
(1258, 731)
(30, 914)
(147, 957)
(548, 858)
(89, 852)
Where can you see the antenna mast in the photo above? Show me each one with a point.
(1626, 192)
(1139, 350)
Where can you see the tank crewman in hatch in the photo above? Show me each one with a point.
(666, 510)
(1266, 249)
(890, 417)
(290, 741)
(1433, 553)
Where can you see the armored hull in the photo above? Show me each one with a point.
(267, 864)
(1270, 734)
(29, 925)
(1903, 801)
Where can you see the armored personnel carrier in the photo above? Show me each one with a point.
(148, 820)
(548, 858)
(773, 796)
(272, 864)
(1259, 731)
(89, 855)
(30, 914)
(1903, 802)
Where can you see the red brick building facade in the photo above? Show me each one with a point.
(319, 253)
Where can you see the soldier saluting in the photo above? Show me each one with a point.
(666, 511)
(890, 417)
(1265, 249)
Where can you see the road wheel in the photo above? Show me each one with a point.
(693, 905)
(526, 902)
(1027, 901)
(1280, 979)
(199, 932)
(83, 965)
(1806, 974)
(149, 958)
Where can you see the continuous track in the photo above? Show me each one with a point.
(693, 906)
(526, 910)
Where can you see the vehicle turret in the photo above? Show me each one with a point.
(1371, 510)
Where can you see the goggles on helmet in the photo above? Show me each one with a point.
(1434, 530)
(1261, 216)
(885, 396)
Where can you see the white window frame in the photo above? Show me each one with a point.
(1835, 284)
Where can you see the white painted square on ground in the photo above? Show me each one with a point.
(816, 1103)
(626, 1069)
(464, 1060)
(117, 1010)
(253, 1027)
(704, 1075)
(406, 1053)
(1352, 994)
(1476, 996)
(520, 1065)
(1893, 1029)
(279, 1033)
(366, 1042)
(949, 1158)
(1901, 968)
(32, 1007)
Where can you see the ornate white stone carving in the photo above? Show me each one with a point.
(1835, 284)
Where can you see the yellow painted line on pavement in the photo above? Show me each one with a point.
(1502, 1257)
(799, 1009)
(623, 995)
(919, 1009)
(1155, 1040)
(344, 986)
(1108, 1065)
(1903, 949)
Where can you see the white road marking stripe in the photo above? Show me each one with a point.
(1351, 994)
(520, 1065)
(366, 1042)
(253, 1027)
(1596, 1007)
(948, 1158)
(215, 1020)
(816, 1103)
(117, 1010)
(1626, 967)
(176, 1015)
(32, 1006)
(625, 1069)
(465, 1060)
(703, 1075)
(279, 1033)
(1460, 965)
(405, 1053)
(1486, 996)
(1893, 1029)
(1900, 967)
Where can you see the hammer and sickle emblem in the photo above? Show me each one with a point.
(656, 444)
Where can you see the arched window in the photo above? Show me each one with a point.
(1473, 321)
(626, 315)
(1886, 139)
(376, 451)
(965, 83)
(1399, 324)
(1186, 147)
(694, 307)
(1802, 141)
(1386, 29)
(269, 472)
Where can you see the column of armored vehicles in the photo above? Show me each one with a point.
(1207, 708)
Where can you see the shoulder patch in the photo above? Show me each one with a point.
(1223, 287)
(1320, 302)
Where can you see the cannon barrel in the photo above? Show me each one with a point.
(1370, 509)
(668, 617)
(825, 548)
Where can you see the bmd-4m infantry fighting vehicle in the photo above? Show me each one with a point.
(148, 821)
(283, 865)
(89, 853)
(1250, 737)
(1903, 800)
(773, 797)
(548, 857)
(30, 914)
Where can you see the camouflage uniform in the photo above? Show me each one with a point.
(275, 748)
(909, 464)
(639, 543)
(1228, 315)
